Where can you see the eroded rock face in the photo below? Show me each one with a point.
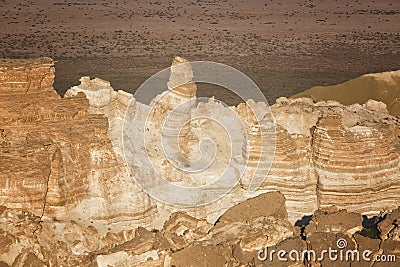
(349, 156)
(255, 222)
(182, 229)
(353, 152)
(333, 220)
(236, 237)
(57, 158)
(325, 153)
(63, 163)
(376, 106)
(29, 241)
(183, 241)
(389, 227)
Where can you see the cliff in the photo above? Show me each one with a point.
(81, 169)
(65, 156)
(56, 158)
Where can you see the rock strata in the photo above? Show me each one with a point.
(65, 181)
(57, 160)
(183, 240)
(324, 154)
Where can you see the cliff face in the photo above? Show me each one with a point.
(352, 152)
(325, 153)
(56, 157)
(65, 156)
(357, 164)
(65, 161)
(183, 241)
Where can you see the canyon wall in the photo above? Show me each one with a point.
(64, 157)
(57, 160)
(72, 171)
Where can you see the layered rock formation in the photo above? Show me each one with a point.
(69, 175)
(183, 241)
(362, 158)
(56, 157)
(353, 152)
(325, 153)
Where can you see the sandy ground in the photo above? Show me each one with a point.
(285, 46)
(384, 87)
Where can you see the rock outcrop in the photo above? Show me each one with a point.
(353, 153)
(311, 156)
(340, 230)
(56, 157)
(357, 164)
(389, 227)
(237, 236)
(72, 180)
(325, 153)
(183, 240)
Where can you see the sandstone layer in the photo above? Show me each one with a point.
(324, 154)
(71, 175)
(56, 157)
(241, 237)
(183, 240)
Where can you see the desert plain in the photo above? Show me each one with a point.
(284, 46)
